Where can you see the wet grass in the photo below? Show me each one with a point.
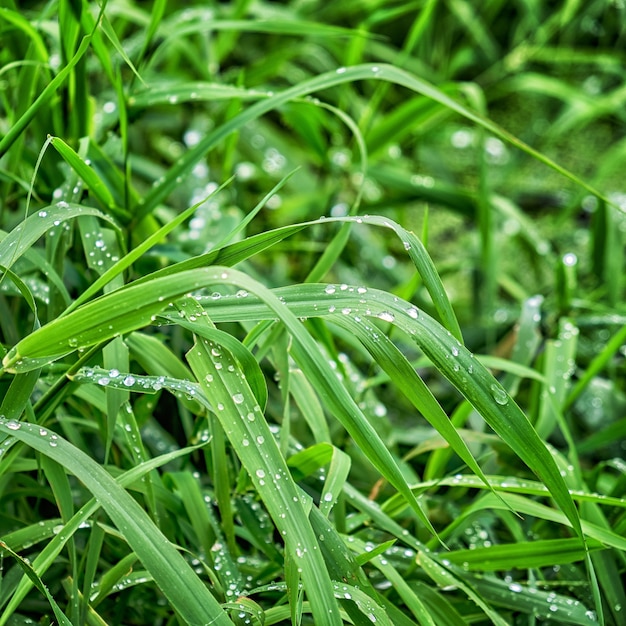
(312, 313)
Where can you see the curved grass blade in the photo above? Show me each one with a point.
(325, 81)
(89, 177)
(185, 591)
(229, 255)
(191, 92)
(25, 234)
(248, 363)
(113, 314)
(512, 484)
(447, 354)
(49, 91)
(136, 253)
(19, 21)
(544, 605)
(523, 554)
(37, 582)
(406, 379)
(130, 308)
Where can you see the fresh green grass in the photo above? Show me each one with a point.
(312, 313)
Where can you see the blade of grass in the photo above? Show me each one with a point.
(37, 582)
(186, 592)
(43, 99)
(243, 422)
(330, 79)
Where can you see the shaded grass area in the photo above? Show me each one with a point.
(312, 313)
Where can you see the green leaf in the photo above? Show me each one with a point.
(241, 418)
(186, 592)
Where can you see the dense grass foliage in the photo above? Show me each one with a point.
(312, 312)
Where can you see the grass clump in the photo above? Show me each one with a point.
(236, 385)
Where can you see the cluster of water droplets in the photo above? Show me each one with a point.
(138, 383)
(15, 425)
(99, 256)
(363, 602)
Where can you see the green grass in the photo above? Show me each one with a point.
(312, 313)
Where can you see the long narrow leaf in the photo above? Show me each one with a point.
(185, 590)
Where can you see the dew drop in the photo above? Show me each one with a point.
(413, 312)
(238, 398)
(386, 316)
(570, 259)
(499, 394)
(330, 289)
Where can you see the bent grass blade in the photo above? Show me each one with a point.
(186, 592)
